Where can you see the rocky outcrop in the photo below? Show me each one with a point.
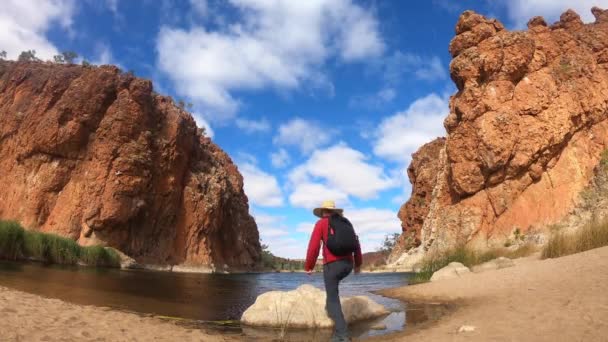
(94, 154)
(451, 271)
(304, 307)
(422, 173)
(525, 132)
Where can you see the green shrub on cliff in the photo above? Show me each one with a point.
(592, 235)
(17, 243)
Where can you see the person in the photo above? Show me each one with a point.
(335, 268)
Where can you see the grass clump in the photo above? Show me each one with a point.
(99, 256)
(11, 240)
(466, 256)
(592, 235)
(17, 243)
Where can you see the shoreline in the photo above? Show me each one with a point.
(29, 317)
(562, 299)
(535, 300)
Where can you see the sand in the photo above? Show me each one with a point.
(563, 299)
(27, 317)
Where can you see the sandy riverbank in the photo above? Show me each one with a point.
(27, 317)
(564, 299)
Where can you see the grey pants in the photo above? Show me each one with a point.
(333, 273)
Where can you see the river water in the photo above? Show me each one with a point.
(200, 298)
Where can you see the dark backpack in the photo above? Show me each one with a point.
(341, 237)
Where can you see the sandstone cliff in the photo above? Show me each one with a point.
(525, 135)
(94, 154)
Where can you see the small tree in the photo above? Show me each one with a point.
(85, 63)
(28, 56)
(390, 240)
(58, 59)
(2, 55)
(69, 56)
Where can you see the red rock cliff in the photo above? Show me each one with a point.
(95, 155)
(525, 133)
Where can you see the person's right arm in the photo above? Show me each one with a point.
(313, 248)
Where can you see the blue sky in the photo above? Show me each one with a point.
(314, 100)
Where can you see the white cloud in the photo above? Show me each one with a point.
(280, 158)
(287, 247)
(305, 227)
(253, 126)
(112, 5)
(336, 173)
(400, 135)
(200, 7)
(309, 195)
(372, 225)
(423, 67)
(373, 101)
(520, 11)
(104, 56)
(24, 23)
(304, 134)
(261, 188)
(253, 52)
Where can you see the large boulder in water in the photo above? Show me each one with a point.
(304, 307)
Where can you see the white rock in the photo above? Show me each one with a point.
(495, 264)
(466, 328)
(451, 271)
(304, 307)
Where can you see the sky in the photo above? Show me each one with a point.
(313, 100)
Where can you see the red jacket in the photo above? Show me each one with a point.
(320, 234)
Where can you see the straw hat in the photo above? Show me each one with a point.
(327, 205)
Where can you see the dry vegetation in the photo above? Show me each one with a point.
(468, 257)
(593, 235)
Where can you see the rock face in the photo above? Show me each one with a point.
(94, 154)
(451, 271)
(525, 134)
(304, 307)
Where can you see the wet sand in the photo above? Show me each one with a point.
(27, 317)
(563, 299)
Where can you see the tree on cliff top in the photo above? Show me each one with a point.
(65, 57)
(2, 55)
(28, 56)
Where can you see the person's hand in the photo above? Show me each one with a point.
(357, 270)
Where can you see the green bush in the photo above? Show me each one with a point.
(11, 240)
(62, 250)
(36, 246)
(17, 243)
(99, 256)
